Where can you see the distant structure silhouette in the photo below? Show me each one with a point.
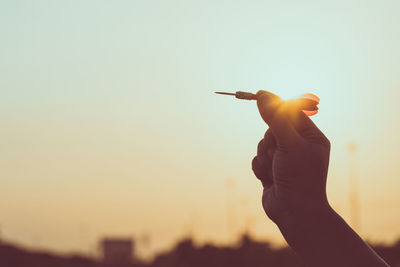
(117, 251)
(354, 197)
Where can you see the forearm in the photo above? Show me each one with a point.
(322, 238)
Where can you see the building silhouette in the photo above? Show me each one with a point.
(117, 251)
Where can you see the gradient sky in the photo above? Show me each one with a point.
(110, 126)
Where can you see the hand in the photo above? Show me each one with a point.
(292, 163)
(292, 159)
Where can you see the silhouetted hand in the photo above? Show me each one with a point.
(292, 159)
(292, 163)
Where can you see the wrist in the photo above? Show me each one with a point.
(303, 216)
(322, 238)
(301, 227)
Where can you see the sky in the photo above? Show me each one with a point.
(110, 126)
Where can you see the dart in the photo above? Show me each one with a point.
(240, 95)
(308, 102)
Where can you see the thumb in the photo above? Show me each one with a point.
(274, 112)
